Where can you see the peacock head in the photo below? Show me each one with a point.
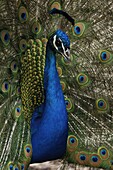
(60, 43)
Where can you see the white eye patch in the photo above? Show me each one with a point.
(67, 52)
(63, 47)
(54, 42)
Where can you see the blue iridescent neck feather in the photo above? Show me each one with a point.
(50, 131)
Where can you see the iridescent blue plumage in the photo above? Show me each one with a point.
(50, 130)
(62, 35)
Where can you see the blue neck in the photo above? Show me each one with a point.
(49, 133)
(51, 79)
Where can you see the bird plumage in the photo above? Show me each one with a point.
(51, 131)
(25, 28)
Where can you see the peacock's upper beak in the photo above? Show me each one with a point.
(66, 54)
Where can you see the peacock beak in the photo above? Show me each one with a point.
(66, 54)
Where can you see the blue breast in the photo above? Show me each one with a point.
(49, 130)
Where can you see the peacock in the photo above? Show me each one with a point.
(56, 80)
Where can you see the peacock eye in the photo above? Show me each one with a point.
(69, 104)
(23, 14)
(5, 37)
(102, 104)
(23, 45)
(22, 167)
(82, 79)
(82, 157)
(77, 30)
(5, 86)
(63, 84)
(36, 28)
(28, 150)
(59, 71)
(72, 141)
(103, 153)
(18, 90)
(58, 43)
(16, 168)
(14, 66)
(18, 111)
(105, 57)
(94, 158)
(11, 167)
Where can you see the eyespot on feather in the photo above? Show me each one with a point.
(14, 67)
(5, 86)
(5, 37)
(69, 104)
(23, 45)
(82, 158)
(18, 90)
(103, 153)
(83, 80)
(59, 71)
(18, 111)
(72, 143)
(23, 14)
(36, 28)
(63, 84)
(95, 160)
(28, 150)
(22, 166)
(105, 57)
(102, 104)
(16, 167)
(10, 166)
(79, 29)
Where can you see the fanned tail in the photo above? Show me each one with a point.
(20, 31)
(87, 83)
(86, 80)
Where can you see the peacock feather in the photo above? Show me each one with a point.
(50, 102)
